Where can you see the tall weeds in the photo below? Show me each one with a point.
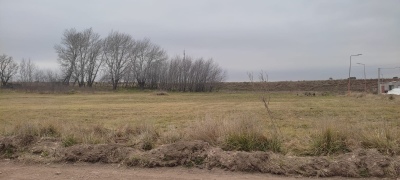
(236, 132)
(384, 139)
(330, 141)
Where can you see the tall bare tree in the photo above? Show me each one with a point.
(145, 56)
(184, 74)
(68, 53)
(129, 76)
(117, 53)
(8, 68)
(51, 76)
(40, 76)
(80, 56)
(26, 70)
(92, 57)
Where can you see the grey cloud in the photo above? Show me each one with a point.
(289, 38)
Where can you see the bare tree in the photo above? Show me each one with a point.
(68, 53)
(215, 76)
(117, 53)
(26, 70)
(80, 56)
(93, 55)
(8, 68)
(187, 75)
(122, 60)
(51, 76)
(129, 76)
(173, 74)
(145, 56)
(40, 75)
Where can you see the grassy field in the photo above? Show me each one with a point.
(303, 122)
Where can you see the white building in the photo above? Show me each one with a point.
(387, 86)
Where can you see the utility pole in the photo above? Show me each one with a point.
(348, 85)
(379, 81)
(365, 78)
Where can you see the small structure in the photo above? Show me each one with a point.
(387, 86)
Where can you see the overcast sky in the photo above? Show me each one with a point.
(289, 39)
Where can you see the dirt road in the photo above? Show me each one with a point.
(12, 171)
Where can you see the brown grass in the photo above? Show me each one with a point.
(142, 119)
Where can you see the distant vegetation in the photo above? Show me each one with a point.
(119, 60)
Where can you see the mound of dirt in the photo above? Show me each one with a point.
(359, 163)
(105, 153)
(9, 146)
(190, 153)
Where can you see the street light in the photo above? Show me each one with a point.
(365, 78)
(348, 85)
(379, 78)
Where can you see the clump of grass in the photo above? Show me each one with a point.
(45, 129)
(208, 130)
(94, 134)
(171, 135)
(245, 134)
(25, 129)
(147, 141)
(49, 130)
(251, 142)
(391, 97)
(25, 133)
(148, 135)
(144, 134)
(383, 139)
(235, 133)
(330, 140)
(69, 140)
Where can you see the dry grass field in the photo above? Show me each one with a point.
(304, 125)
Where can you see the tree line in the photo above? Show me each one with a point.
(119, 59)
(25, 71)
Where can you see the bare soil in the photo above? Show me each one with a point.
(193, 156)
(13, 170)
